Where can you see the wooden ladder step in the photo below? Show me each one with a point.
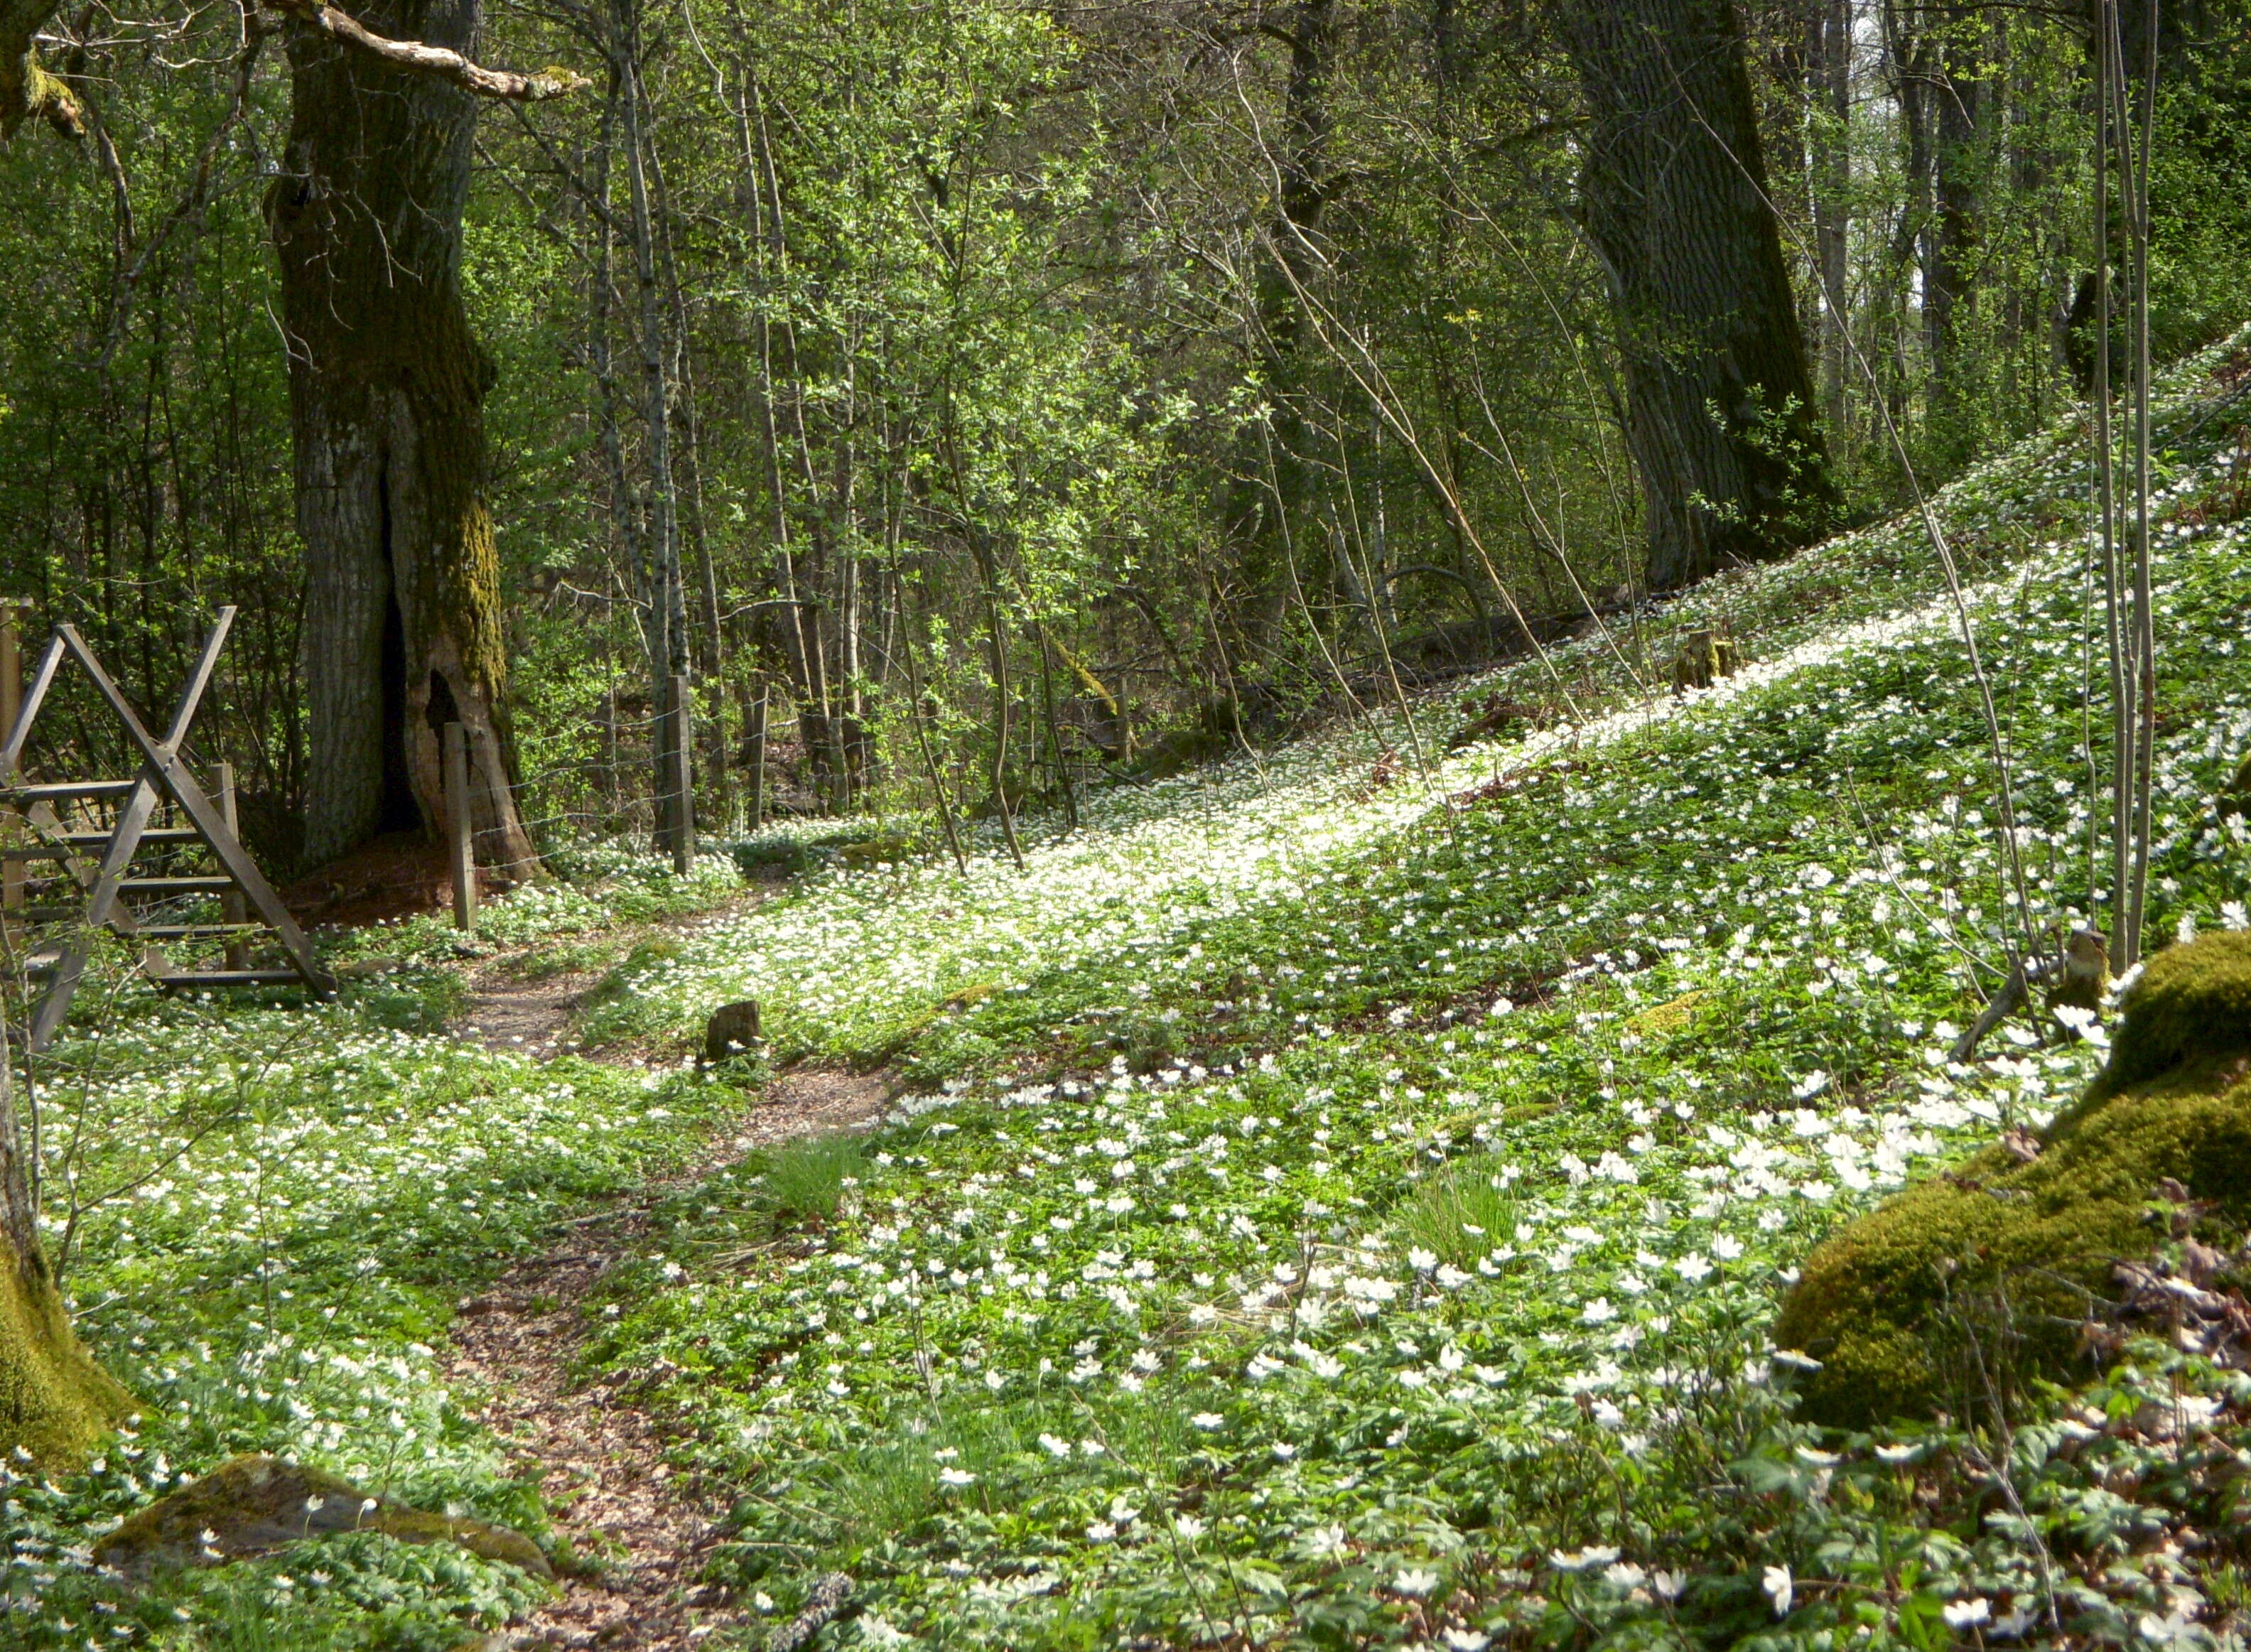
(216, 883)
(193, 932)
(64, 843)
(228, 977)
(50, 789)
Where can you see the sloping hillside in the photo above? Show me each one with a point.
(1336, 1200)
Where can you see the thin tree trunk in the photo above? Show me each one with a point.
(668, 655)
(1962, 95)
(2123, 725)
(1285, 261)
(1832, 183)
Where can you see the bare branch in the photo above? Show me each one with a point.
(447, 64)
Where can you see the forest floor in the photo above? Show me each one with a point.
(1331, 1200)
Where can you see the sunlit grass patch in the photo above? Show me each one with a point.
(1460, 1213)
(809, 1178)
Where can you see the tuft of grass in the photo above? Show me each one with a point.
(417, 1000)
(1459, 1214)
(807, 1180)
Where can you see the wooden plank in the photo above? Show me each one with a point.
(62, 845)
(460, 841)
(232, 907)
(679, 778)
(11, 702)
(190, 978)
(55, 790)
(11, 755)
(186, 883)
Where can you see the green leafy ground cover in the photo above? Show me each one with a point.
(1328, 1211)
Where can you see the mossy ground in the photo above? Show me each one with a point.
(2189, 1003)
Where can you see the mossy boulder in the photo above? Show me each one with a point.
(2191, 1003)
(254, 1505)
(1995, 1267)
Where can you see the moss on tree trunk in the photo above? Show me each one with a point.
(55, 1402)
(27, 91)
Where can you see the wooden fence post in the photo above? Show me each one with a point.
(232, 905)
(758, 739)
(679, 775)
(462, 857)
(610, 759)
(11, 702)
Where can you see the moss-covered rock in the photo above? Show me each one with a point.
(1992, 1268)
(2192, 1003)
(254, 1505)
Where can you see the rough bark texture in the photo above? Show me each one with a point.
(55, 1402)
(1830, 49)
(1720, 406)
(403, 602)
(1962, 99)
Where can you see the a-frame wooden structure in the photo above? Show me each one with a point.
(107, 879)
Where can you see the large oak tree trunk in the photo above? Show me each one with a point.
(403, 603)
(1720, 412)
(55, 1402)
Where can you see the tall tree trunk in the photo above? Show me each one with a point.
(55, 1402)
(668, 620)
(403, 630)
(1268, 494)
(1672, 193)
(1907, 70)
(1830, 24)
(1960, 98)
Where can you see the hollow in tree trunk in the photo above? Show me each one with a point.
(1720, 412)
(55, 1402)
(403, 627)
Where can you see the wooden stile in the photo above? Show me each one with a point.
(107, 880)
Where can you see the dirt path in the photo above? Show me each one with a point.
(598, 1460)
(509, 1013)
(530, 1016)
